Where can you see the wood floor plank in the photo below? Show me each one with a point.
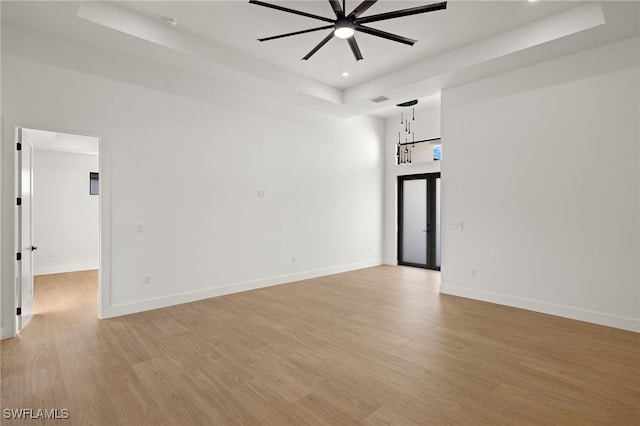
(214, 393)
(170, 392)
(384, 416)
(378, 346)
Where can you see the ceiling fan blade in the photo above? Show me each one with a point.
(322, 43)
(361, 8)
(384, 34)
(295, 33)
(337, 9)
(403, 12)
(286, 9)
(354, 48)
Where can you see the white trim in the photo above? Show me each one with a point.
(180, 298)
(60, 269)
(104, 278)
(8, 330)
(572, 312)
(2, 206)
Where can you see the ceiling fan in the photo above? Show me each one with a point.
(344, 26)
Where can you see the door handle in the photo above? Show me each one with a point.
(34, 248)
(424, 230)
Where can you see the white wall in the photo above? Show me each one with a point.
(428, 127)
(65, 215)
(542, 166)
(186, 158)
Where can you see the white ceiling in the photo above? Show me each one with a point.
(64, 142)
(467, 41)
(238, 25)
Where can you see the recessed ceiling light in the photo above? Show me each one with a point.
(170, 21)
(345, 73)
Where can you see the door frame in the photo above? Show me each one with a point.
(104, 277)
(23, 307)
(431, 219)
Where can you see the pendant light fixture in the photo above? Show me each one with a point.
(406, 134)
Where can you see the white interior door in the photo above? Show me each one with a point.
(25, 225)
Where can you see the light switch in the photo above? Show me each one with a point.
(139, 227)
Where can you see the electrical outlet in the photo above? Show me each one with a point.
(147, 280)
(293, 260)
(473, 272)
(139, 228)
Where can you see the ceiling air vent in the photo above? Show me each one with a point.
(380, 99)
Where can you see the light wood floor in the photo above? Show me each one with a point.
(376, 346)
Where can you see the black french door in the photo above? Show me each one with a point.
(419, 220)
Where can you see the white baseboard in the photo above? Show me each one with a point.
(61, 269)
(180, 298)
(610, 320)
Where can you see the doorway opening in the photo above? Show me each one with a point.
(58, 222)
(419, 220)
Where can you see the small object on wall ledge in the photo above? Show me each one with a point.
(437, 152)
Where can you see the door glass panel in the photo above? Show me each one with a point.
(414, 221)
(437, 224)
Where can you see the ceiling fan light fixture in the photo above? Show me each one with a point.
(344, 29)
(345, 25)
